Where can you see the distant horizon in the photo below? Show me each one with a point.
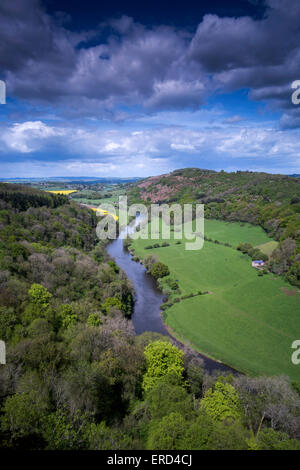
(54, 178)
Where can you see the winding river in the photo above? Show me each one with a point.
(148, 298)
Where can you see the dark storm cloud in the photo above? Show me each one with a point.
(41, 60)
(222, 44)
(154, 68)
(28, 37)
(262, 55)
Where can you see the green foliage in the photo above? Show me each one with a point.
(162, 359)
(39, 295)
(63, 431)
(293, 275)
(23, 414)
(114, 266)
(8, 321)
(269, 439)
(159, 270)
(112, 303)
(168, 433)
(69, 320)
(222, 402)
(92, 386)
(158, 398)
(39, 305)
(94, 319)
(23, 197)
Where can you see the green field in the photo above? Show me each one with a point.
(235, 232)
(114, 197)
(246, 321)
(268, 247)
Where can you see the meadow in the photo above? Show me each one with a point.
(246, 321)
(113, 198)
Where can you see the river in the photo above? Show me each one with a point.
(148, 298)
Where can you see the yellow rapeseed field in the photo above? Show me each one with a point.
(63, 191)
(104, 212)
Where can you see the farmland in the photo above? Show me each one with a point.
(247, 321)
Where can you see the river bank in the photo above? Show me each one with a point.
(148, 299)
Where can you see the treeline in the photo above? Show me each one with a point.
(57, 284)
(103, 388)
(271, 201)
(22, 197)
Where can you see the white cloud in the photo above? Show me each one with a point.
(155, 149)
(29, 136)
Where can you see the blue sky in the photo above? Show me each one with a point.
(125, 91)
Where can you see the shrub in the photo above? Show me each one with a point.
(159, 270)
(245, 247)
(126, 243)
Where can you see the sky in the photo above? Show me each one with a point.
(120, 89)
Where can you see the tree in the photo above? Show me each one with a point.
(225, 436)
(194, 374)
(162, 359)
(293, 276)
(101, 437)
(94, 319)
(271, 400)
(39, 305)
(159, 270)
(39, 295)
(168, 434)
(65, 317)
(63, 431)
(112, 303)
(167, 396)
(245, 247)
(8, 320)
(273, 440)
(149, 261)
(23, 414)
(222, 402)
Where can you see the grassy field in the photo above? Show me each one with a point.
(268, 247)
(114, 197)
(246, 321)
(235, 232)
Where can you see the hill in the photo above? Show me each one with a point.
(271, 201)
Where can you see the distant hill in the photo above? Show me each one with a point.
(193, 184)
(271, 201)
(74, 180)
